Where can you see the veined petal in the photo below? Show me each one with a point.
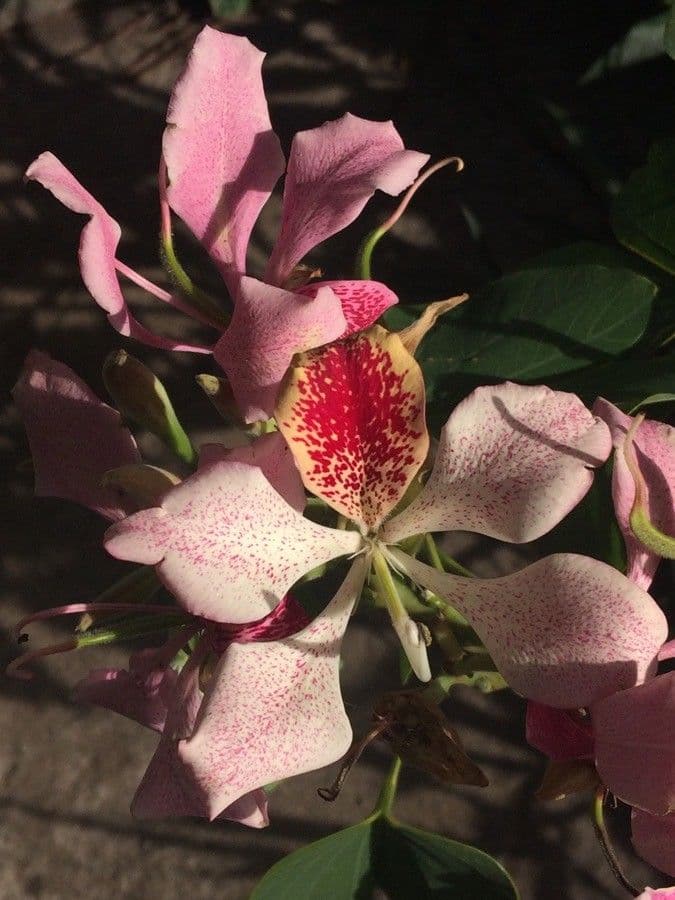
(635, 744)
(654, 446)
(272, 455)
(273, 710)
(511, 463)
(222, 157)
(268, 327)
(353, 416)
(654, 840)
(559, 733)
(332, 172)
(226, 544)
(74, 437)
(565, 631)
(98, 246)
(363, 302)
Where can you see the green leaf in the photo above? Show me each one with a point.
(338, 866)
(643, 215)
(227, 8)
(404, 862)
(669, 36)
(530, 327)
(411, 863)
(626, 382)
(653, 400)
(642, 42)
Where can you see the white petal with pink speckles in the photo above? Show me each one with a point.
(226, 544)
(564, 631)
(511, 463)
(274, 709)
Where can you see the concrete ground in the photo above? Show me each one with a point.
(90, 81)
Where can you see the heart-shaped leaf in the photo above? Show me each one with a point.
(400, 860)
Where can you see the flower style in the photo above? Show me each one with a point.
(222, 160)
(512, 461)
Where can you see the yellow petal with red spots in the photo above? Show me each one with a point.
(352, 413)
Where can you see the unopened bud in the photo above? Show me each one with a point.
(141, 398)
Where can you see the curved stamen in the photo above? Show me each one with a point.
(16, 665)
(363, 262)
(73, 608)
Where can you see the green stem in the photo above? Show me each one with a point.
(200, 300)
(363, 268)
(138, 628)
(388, 793)
(598, 815)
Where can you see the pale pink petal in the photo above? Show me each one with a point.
(654, 446)
(561, 734)
(98, 246)
(511, 463)
(564, 631)
(138, 695)
(273, 710)
(226, 543)
(635, 744)
(363, 302)
(272, 455)
(223, 158)
(654, 840)
(667, 893)
(74, 437)
(353, 416)
(268, 327)
(332, 172)
(166, 788)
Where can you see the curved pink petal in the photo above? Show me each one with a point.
(511, 463)
(332, 172)
(272, 455)
(74, 437)
(564, 631)
(226, 543)
(141, 694)
(353, 416)
(222, 157)
(635, 744)
(268, 327)
(273, 710)
(561, 734)
(98, 246)
(363, 302)
(654, 446)
(654, 840)
(667, 893)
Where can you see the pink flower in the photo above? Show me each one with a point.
(512, 461)
(74, 437)
(667, 893)
(222, 160)
(653, 450)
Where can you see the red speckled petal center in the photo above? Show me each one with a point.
(353, 416)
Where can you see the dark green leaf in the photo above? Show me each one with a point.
(404, 862)
(530, 327)
(623, 381)
(669, 37)
(643, 216)
(643, 41)
(227, 8)
(411, 863)
(338, 866)
(653, 400)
